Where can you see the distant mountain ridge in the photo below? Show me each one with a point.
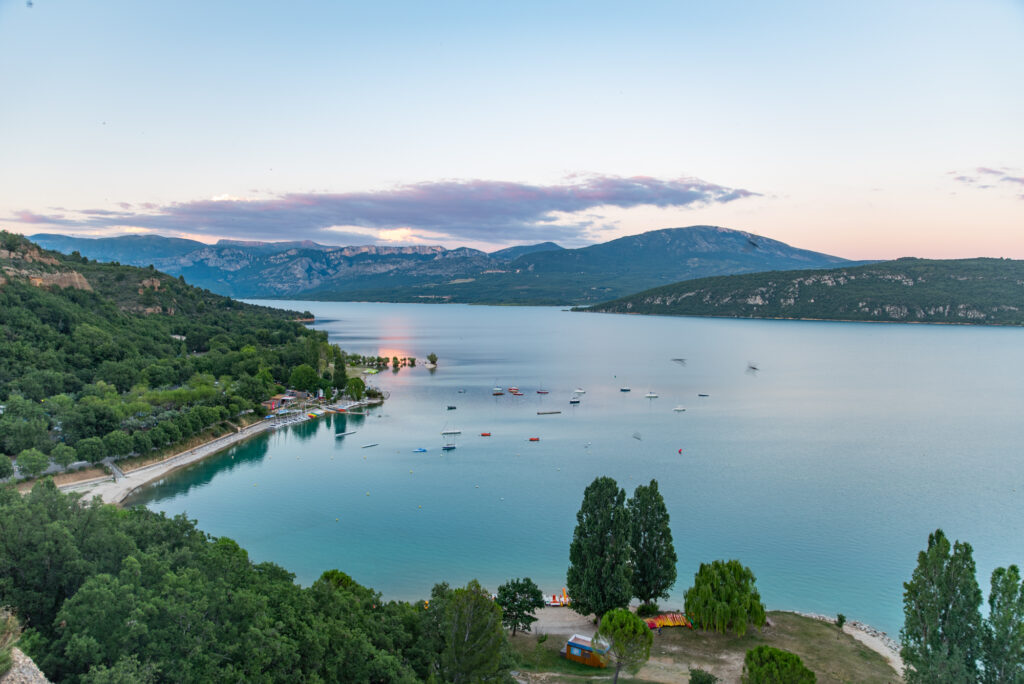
(979, 291)
(529, 274)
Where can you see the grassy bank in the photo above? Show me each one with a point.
(833, 656)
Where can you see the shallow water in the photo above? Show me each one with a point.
(824, 470)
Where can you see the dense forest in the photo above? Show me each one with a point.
(102, 360)
(112, 595)
(979, 291)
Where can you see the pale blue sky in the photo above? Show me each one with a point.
(854, 128)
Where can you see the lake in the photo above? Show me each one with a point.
(823, 470)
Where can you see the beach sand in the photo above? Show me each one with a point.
(115, 492)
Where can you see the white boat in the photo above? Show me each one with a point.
(367, 446)
(651, 395)
(679, 409)
(579, 390)
(451, 432)
(344, 434)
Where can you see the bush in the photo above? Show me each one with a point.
(647, 609)
(6, 467)
(699, 676)
(767, 665)
(723, 598)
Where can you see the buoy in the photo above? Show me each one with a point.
(335, 520)
(367, 493)
(680, 451)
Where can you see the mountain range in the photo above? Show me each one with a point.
(530, 274)
(984, 291)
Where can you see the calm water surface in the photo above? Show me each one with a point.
(824, 470)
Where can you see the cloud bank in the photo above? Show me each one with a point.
(471, 210)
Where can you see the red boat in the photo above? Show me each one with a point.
(535, 439)
(485, 434)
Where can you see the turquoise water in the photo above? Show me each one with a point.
(824, 470)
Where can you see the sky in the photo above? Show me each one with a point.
(867, 130)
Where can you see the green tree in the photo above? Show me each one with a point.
(723, 598)
(519, 598)
(127, 670)
(699, 676)
(6, 467)
(941, 635)
(355, 388)
(654, 556)
(304, 378)
(32, 462)
(1003, 636)
(63, 455)
(472, 635)
(629, 640)
(840, 621)
(599, 572)
(767, 665)
(117, 443)
(91, 449)
(432, 358)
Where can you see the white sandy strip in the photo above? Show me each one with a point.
(116, 492)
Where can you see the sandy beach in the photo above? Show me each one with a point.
(117, 490)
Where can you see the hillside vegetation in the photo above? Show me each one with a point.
(101, 360)
(979, 291)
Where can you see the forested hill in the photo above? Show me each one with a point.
(980, 291)
(109, 360)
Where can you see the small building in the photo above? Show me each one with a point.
(587, 651)
(277, 401)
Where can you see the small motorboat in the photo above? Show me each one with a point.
(513, 390)
(625, 389)
(367, 446)
(421, 450)
(451, 408)
(344, 434)
(485, 434)
(448, 447)
(579, 390)
(651, 395)
(535, 439)
(451, 432)
(679, 409)
(497, 391)
(547, 413)
(703, 395)
(574, 401)
(542, 391)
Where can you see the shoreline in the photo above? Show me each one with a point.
(116, 491)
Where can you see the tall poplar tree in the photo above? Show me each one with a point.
(1003, 640)
(599, 573)
(654, 556)
(941, 635)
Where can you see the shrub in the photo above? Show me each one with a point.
(699, 676)
(647, 609)
(767, 665)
